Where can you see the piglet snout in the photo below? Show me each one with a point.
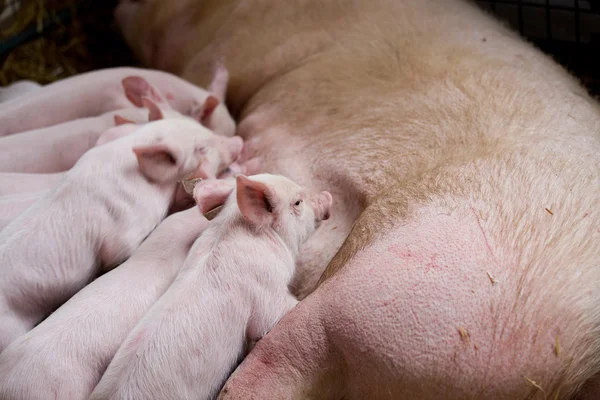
(234, 147)
(322, 206)
(221, 153)
(229, 150)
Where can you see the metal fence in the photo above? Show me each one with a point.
(567, 29)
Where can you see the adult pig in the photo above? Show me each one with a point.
(98, 214)
(232, 289)
(465, 165)
(98, 92)
(86, 331)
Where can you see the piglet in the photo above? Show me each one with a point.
(97, 215)
(98, 92)
(11, 206)
(18, 89)
(57, 148)
(68, 352)
(17, 183)
(232, 289)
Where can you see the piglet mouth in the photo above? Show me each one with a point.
(199, 174)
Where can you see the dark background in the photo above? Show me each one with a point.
(46, 40)
(569, 30)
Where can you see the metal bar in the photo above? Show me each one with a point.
(544, 6)
(520, 13)
(577, 21)
(548, 21)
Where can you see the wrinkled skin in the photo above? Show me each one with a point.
(461, 262)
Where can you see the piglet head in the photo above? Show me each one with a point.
(137, 88)
(274, 201)
(213, 114)
(219, 153)
(173, 149)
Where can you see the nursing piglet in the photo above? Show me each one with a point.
(98, 92)
(12, 183)
(11, 206)
(232, 289)
(98, 214)
(18, 89)
(57, 148)
(68, 352)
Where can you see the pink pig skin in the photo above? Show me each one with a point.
(231, 290)
(18, 89)
(86, 331)
(11, 206)
(57, 148)
(444, 138)
(98, 92)
(96, 216)
(12, 183)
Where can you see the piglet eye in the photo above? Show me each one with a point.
(199, 149)
(298, 203)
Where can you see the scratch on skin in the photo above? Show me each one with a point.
(485, 238)
(464, 335)
(389, 302)
(416, 316)
(549, 212)
(492, 279)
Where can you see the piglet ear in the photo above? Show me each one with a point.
(206, 110)
(212, 193)
(155, 112)
(137, 87)
(122, 120)
(157, 162)
(116, 133)
(254, 200)
(220, 79)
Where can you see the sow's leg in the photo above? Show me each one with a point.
(477, 282)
